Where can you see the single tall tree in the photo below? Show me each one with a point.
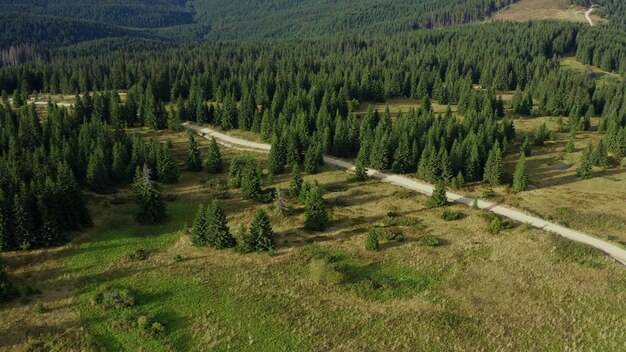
(315, 214)
(218, 233)
(262, 233)
(520, 179)
(149, 200)
(194, 159)
(585, 169)
(214, 163)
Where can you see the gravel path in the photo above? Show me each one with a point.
(614, 251)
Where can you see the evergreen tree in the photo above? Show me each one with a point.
(439, 197)
(149, 200)
(118, 168)
(526, 147)
(200, 228)
(167, 170)
(245, 242)
(262, 233)
(313, 159)
(402, 157)
(360, 172)
(277, 157)
(280, 204)
(520, 179)
(194, 159)
(251, 182)
(372, 243)
(296, 181)
(315, 214)
(585, 169)
(495, 166)
(214, 163)
(97, 173)
(600, 155)
(218, 233)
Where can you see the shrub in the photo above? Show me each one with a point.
(430, 241)
(114, 298)
(372, 243)
(322, 271)
(392, 235)
(138, 255)
(450, 215)
(39, 307)
(178, 258)
(7, 290)
(498, 225)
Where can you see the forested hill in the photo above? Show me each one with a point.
(63, 22)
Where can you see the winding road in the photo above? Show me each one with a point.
(614, 251)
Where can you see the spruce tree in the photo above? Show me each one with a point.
(296, 181)
(167, 170)
(277, 157)
(251, 182)
(313, 159)
(439, 197)
(600, 155)
(151, 206)
(526, 147)
(245, 242)
(280, 203)
(194, 159)
(262, 233)
(360, 172)
(118, 168)
(218, 233)
(585, 169)
(402, 157)
(315, 214)
(97, 172)
(214, 163)
(199, 230)
(520, 179)
(495, 166)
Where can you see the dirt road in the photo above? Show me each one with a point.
(588, 14)
(614, 251)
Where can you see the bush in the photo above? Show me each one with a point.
(429, 241)
(114, 298)
(372, 243)
(138, 255)
(498, 225)
(39, 307)
(178, 258)
(148, 325)
(450, 215)
(392, 235)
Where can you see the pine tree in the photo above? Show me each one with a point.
(585, 169)
(262, 233)
(520, 179)
(251, 182)
(194, 159)
(6, 226)
(313, 159)
(315, 214)
(296, 181)
(277, 157)
(245, 242)
(402, 157)
(199, 230)
(118, 168)
(526, 147)
(214, 163)
(459, 181)
(372, 243)
(495, 166)
(439, 197)
(149, 200)
(218, 233)
(167, 170)
(280, 203)
(360, 172)
(97, 173)
(600, 155)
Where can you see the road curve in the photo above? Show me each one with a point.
(614, 251)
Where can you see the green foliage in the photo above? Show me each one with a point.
(429, 241)
(151, 206)
(439, 197)
(262, 233)
(295, 186)
(214, 163)
(520, 178)
(138, 255)
(360, 172)
(372, 243)
(217, 233)
(315, 213)
(113, 298)
(570, 147)
(251, 182)
(585, 167)
(7, 290)
(494, 168)
(451, 215)
(194, 159)
(498, 224)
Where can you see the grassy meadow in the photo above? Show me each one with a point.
(435, 285)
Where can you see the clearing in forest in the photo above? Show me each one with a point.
(527, 10)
